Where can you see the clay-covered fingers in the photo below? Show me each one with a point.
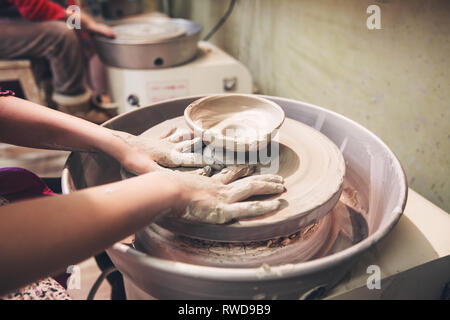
(230, 211)
(168, 133)
(224, 212)
(251, 186)
(175, 135)
(231, 173)
(193, 145)
(195, 160)
(188, 151)
(205, 171)
(267, 177)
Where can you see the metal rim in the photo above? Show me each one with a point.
(196, 29)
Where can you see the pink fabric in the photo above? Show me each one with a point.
(20, 184)
(6, 93)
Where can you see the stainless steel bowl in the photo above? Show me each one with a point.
(372, 169)
(141, 54)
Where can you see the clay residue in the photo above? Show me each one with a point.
(250, 124)
(311, 164)
(335, 232)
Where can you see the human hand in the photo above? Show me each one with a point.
(101, 28)
(173, 149)
(213, 201)
(93, 26)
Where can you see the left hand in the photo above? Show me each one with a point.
(174, 149)
(93, 26)
(171, 150)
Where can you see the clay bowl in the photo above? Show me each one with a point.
(235, 122)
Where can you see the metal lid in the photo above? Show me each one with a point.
(152, 31)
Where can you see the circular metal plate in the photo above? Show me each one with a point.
(143, 54)
(151, 31)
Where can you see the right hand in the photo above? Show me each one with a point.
(209, 199)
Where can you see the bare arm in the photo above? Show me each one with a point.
(30, 125)
(41, 237)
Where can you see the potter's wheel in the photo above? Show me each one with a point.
(374, 185)
(313, 179)
(342, 227)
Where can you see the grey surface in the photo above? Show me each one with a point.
(375, 172)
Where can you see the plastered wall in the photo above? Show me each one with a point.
(395, 80)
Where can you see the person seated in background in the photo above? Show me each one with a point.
(37, 29)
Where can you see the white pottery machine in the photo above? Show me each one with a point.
(167, 63)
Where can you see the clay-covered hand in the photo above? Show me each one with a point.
(213, 201)
(174, 149)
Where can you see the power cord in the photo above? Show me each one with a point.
(99, 281)
(221, 21)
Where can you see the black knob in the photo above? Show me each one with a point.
(133, 100)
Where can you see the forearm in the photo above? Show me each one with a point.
(40, 237)
(28, 124)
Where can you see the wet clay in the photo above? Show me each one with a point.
(333, 233)
(313, 169)
(236, 122)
